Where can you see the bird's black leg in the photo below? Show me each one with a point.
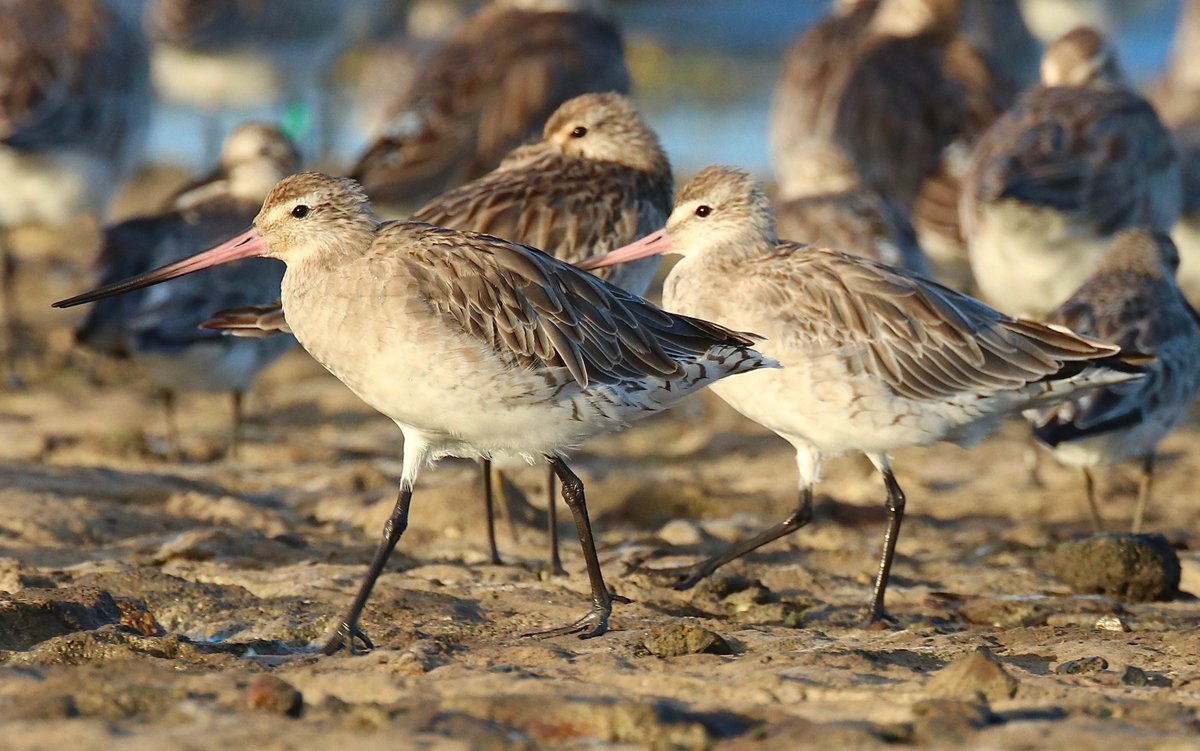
(895, 509)
(689, 576)
(595, 622)
(1089, 487)
(235, 438)
(348, 631)
(489, 509)
(1145, 488)
(555, 562)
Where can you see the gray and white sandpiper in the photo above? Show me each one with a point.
(1131, 300)
(74, 101)
(488, 89)
(874, 358)
(159, 327)
(1076, 160)
(474, 346)
(596, 180)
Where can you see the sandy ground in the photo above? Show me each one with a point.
(175, 605)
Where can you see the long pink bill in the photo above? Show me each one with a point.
(650, 245)
(246, 245)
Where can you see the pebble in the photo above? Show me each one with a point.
(681, 532)
(267, 693)
(1092, 664)
(978, 674)
(685, 639)
(1137, 568)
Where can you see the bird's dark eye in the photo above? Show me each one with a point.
(299, 211)
(703, 211)
(579, 132)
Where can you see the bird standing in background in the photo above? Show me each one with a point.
(1075, 161)
(1131, 300)
(74, 101)
(874, 358)
(159, 327)
(474, 346)
(597, 179)
(489, 88)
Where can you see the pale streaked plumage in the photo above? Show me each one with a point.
(490, 87)
(874, 358)
(474, 346)
(1132, 301)
(159, 327)
(1076, 160)
(597, 179)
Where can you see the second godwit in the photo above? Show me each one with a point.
(874, 358)
(473, 346)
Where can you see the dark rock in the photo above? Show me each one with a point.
(977, 674)
(1093, 664)
(1138, 568)
(685, 639)
(268, 693)
(32, 616)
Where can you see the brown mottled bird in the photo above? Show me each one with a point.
(489, 88)
(474, 346)
(902, 94)
(74, 101)
(597, 179)
(1130, 300)
(1075, 161)
(159, 328)
(874, 358)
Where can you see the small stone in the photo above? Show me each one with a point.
(685, 639)
(977, 674)
(1137, 568)
(275, 695)
(681, 532)
(1111, 623)
(1093, 664)
(1135, 677)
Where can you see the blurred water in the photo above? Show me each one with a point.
(704, 70)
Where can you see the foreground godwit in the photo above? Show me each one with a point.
(874, 358)
(1075, 161)
(1132, 301)
(596, 180)
(474, 346)
(490, 87)
(158, 327)
(74, 97)
(894, 87)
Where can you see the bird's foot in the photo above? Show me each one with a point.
(344, 638)
(593, 624)
(881, 621)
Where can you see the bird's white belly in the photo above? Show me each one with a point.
(1187, 237)
(1028, 261)
(51, 188)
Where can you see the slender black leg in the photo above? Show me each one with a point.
(8, 308)
(556, 567)
(1089, 486)
(595, 622)
(348, 631)
(489, 509)
(689, 576)
(235, 438)
(895, 509)
(173, 450)
(1145, 488)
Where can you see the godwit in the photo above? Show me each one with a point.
(894, 87)
(489, 88)
(874, 358)
(1075, 161)
(74, 97)
(472, 345)
(596, 180)
(1132, 301)
(158, 327)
